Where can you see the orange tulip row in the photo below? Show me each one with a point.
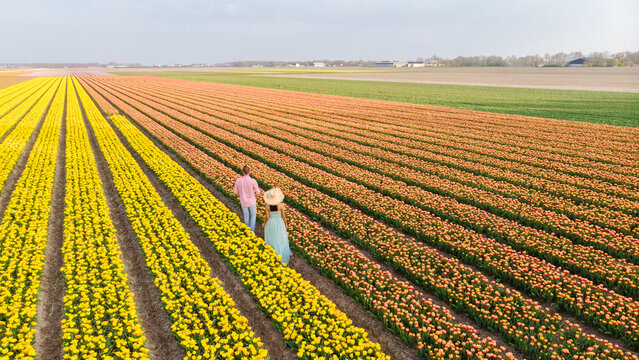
(466, 289)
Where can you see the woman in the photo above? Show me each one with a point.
(275, 233)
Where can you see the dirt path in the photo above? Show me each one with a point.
(50, 310)
(155, 321)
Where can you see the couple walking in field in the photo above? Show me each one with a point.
(275, 233)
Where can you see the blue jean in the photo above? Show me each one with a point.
(249, 216)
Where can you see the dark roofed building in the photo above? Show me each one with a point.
(577, 63)
(385, 63)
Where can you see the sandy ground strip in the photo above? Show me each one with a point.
(620, 79)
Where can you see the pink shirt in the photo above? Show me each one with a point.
(247, 188)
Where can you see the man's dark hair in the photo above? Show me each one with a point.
(246, 169)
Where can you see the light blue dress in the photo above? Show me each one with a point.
(276, 236)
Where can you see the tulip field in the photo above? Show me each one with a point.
(457, 234)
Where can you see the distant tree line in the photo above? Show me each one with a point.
(626, 58)
(328, 62)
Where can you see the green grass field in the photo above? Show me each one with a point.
(614, 108)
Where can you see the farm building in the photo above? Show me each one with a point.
(416, 64)
(319, 64)
(385, 64)
(577, 63)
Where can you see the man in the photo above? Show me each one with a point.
(246, 188)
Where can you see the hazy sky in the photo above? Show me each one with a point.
(197, 31)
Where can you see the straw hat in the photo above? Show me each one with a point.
(273, 196)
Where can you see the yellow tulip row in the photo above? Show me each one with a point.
(9, 92)
(27, 107)
(14, 88)
(23, 235)
(14, 95)
(13, 145)
(204, 317)
(308, 320)
(100, 317)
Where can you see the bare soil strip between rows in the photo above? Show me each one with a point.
(18, 168)
(50, 310)
(391, 344)
(155, 321)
